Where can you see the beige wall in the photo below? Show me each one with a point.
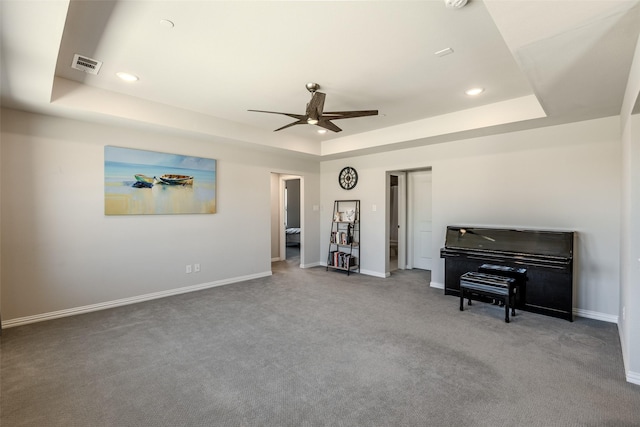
(60, 252)
(630, 250)
(630, 239)
(564, 177)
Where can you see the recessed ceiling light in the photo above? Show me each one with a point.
(322, 131)
(127, 77)
(474, 91)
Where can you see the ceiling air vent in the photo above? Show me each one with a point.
(86, 64)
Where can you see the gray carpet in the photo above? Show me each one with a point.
(314, 348)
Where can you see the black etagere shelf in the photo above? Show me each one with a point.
(344, 242)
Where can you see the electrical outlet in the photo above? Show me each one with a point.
(623, 314)
(188, 269)
(196, 267)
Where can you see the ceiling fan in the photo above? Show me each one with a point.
(315, 114)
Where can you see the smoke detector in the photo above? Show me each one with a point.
(86, 64)
(455, 4)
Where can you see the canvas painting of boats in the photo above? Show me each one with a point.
(140, 182)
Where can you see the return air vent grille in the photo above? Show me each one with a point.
(86, 64)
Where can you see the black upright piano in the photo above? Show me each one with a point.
(547, 256)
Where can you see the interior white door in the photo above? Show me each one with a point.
(420, 189)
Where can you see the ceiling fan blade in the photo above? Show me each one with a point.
(293, 116)
(316, 105)
(325, 123)
(299, 122)
(302, 120)
(349, 114)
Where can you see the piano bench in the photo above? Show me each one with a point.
(476, 285)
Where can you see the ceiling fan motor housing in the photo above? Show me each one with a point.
(455, 4)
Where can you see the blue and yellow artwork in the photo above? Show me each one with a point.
(139, 182)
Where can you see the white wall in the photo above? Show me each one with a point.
(563, 177)
(630, 250)
(630, 239)
(59, 250)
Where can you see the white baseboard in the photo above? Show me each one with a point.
(373, 273)
(437, 285)
(313, 264)
(576, 311)
(595, 315)
(633, 377)
(276, 259)
(365, 272)
(125, 301)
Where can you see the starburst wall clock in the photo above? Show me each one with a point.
(348, 178)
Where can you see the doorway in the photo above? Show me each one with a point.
(396, 224)
(287, 218)
(409, 210)
(393, 223)
(292, 224)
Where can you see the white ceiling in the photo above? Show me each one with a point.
(540, 62)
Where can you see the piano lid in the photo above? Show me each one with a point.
(535, 242)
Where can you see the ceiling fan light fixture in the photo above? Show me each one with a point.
(312, 121)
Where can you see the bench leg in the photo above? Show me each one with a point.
(461, 300)
(506, 311)
(512, 302)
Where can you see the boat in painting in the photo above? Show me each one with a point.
(173, 179)
(143, 181)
